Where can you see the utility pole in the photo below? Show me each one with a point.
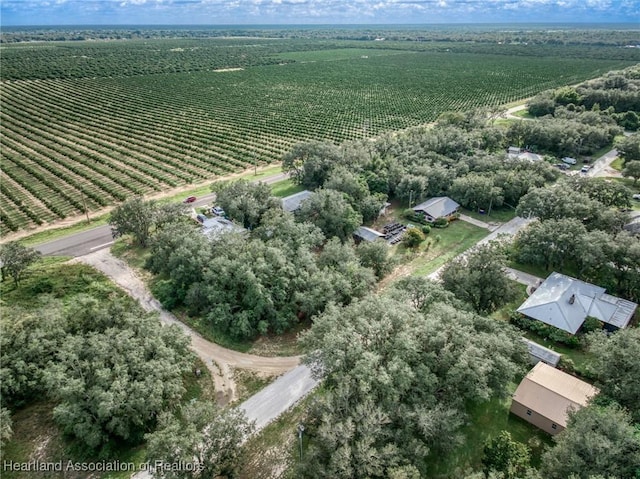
(300, 431)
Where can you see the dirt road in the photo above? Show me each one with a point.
(219, 360)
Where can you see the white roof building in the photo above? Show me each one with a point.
(213, 227)
(565, 302)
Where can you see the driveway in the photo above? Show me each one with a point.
(219, 360)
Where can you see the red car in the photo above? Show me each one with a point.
(191, 199)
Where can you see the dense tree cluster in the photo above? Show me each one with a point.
(206, 440)
(110, 367)
(579, 227)
(612, 97)
(264, 282)
(398, 380)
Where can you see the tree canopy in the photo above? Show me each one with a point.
(397, 382)
(15, 259)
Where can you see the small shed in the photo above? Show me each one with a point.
(438, 207)
(292, 203)
(537, 353)
(367, 234)
(546, 395)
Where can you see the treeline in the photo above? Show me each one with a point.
(512, 34)
(615, 95)
(109, 367)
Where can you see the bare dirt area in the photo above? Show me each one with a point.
(220, 361)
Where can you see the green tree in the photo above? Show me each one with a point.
(632, 170)
(615, 364)
(202, 435)
(478, 278)
(330, 211)
(597, 441)
(375, 255)
(550, 243)
(136, 217)
(6, 426)
(15, 259)
(244, 201)
(413, 237)
(476, 191)
(397, 383)
(112, 380)
(629, 148)
(310, 163)
(503, 454)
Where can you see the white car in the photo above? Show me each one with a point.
(636, 196)
(217, 211)
(585, 169)
(569, 161)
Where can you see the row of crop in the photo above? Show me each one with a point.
(188, 124)
(77, 149)
(154, 168)
(62, 203)
(73, 161)
(138, 136)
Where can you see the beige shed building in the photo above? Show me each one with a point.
(546, 395)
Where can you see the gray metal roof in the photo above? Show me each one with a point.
(292, 203)
(368, 234)
(438, 207)
(213, 227)
(539, 353)
(565, 302)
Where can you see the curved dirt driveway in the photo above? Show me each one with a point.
(219, 360)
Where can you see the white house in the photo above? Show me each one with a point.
(438, 207)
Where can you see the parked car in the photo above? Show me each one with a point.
(561, 166)
(585, 169)
(191, 199)
(217, 211)
(569, 161)
(636, 196)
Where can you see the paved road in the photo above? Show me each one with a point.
(279, 396)
(80, 244)
(523, 278)
(602, 167)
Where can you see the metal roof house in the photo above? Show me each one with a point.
(293, 202)
(565, 302)
(367, 234)
(213, 227)
(438, 207)
(546, 395)
(528, 156)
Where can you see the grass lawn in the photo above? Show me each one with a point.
(500, 215)
(487, 420)
(524, 114)
(284, 188)
(441, 246)
(617, 164)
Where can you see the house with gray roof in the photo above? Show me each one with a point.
(214, 227)
(292, 203)
(438, 207)
(565, 302)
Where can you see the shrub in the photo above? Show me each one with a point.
(544, 330)
(441, 223)
(426, 229)
(413, 237)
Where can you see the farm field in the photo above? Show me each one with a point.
(72, 141)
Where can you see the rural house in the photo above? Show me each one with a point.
(438, 207)
(565, 302)
(292, 203)
(546, 395)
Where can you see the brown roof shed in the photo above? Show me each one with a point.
(546, 395)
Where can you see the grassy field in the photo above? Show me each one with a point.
(441, 246)
(284, 188)
(97, 132)
(497, 215)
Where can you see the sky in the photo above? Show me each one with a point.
(281, 12)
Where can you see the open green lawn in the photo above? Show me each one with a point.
(441, 246)
(499, 215)
(285, 188)
(487, 420)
